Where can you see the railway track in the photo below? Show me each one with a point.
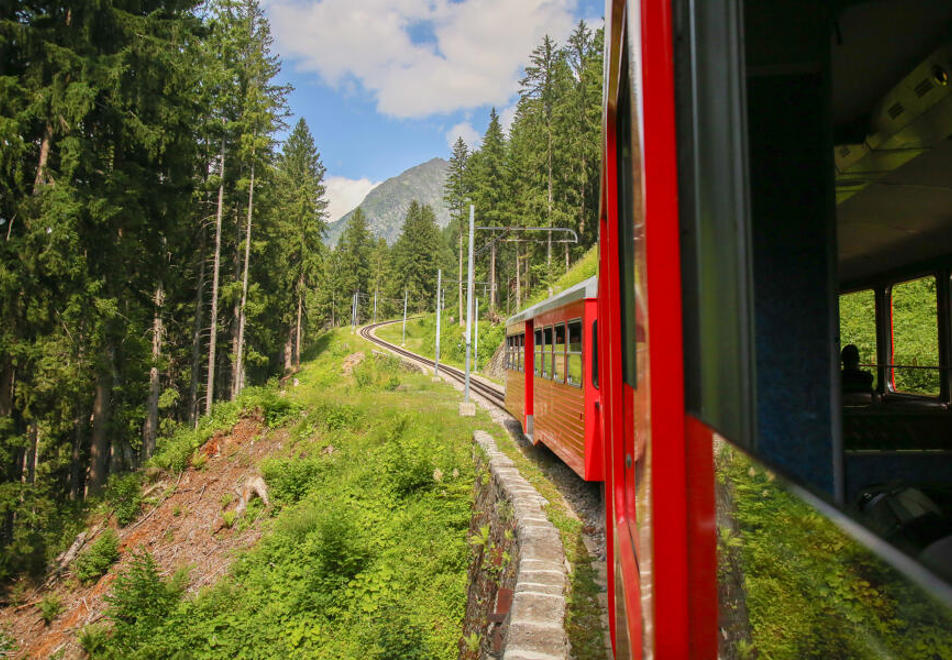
(494, 395)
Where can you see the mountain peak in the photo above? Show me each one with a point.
(386, 205)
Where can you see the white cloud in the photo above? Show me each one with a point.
(344, 194)
(466, 131)
(506, 117)
(480, 49)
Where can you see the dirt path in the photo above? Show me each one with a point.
(185, 528)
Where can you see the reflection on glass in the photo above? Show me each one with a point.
(575, 353)
(792, 585)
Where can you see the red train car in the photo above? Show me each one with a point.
(551, 379)
(761, 160)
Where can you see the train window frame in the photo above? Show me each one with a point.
(625, 133)
(569, 353)
(547, 352)
(537, 367)
(595, 354)
(557, 376)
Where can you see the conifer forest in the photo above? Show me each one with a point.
(161, 226)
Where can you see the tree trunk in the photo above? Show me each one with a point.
(31, 455)
(99, 445)
(239, 360)
(492, 278)
(459, 279)
(151, 427)
(41, 174)
(197, 337)
(548, 257)
(75, 468)
(213, 335)
(518, 277)
(7, 379)
(566, 257)
(297, 331)
(288, 349)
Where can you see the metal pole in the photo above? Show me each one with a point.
(404, 342)
(469, 300)
(375, 305)
(439, 283)
(353, 312)
(476, 340)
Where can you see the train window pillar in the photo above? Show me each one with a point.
(547, 352)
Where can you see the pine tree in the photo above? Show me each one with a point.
(353, 258)
(490, 190)
(456, 191)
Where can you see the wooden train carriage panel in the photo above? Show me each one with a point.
(515, 371)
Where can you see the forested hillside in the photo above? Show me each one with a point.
(159, 250)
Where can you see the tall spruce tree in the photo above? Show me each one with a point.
(456, 191)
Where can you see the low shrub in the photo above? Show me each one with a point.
(93, 638)
(50, 607)
(96, 560)
(290, 480)
(141, 600)
(340, 550)
(124, 495)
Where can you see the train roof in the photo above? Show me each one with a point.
(585, 289)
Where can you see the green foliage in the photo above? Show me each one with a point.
(96, 560)
(93, 639)
(124, 495)
(346, 552)
(141, 600)
(50, 607)
(811, 591)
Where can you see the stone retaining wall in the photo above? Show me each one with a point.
(534, 627)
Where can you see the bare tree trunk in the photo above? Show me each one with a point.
(197, 336)
(99, 445)
(239, 360)
(288, 351)
(566, 257)
(459, 279)
(75, 468)
(548, 256)
(28, 473)
(213, 336)
(7, 379)
(41, 175)
(518, 276)
(492, 278)
(297, 331)
(151, 427)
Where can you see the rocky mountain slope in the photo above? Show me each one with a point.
(386, 205)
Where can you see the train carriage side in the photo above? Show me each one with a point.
(560, 392)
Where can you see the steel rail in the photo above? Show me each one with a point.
(495, 395)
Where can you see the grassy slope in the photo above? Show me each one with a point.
(366, 553)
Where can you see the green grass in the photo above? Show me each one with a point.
(365, 554)
(421, 339)
(581, 270)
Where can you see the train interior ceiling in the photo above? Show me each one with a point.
(848, 110)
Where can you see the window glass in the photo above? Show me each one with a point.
(915, 337)
(558, 353)
(575, 353)
(858, 328)
(521, 348)
(547, 352)
(595, 353)
(626, 230)
(538, 352)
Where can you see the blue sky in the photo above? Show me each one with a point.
(388, 84)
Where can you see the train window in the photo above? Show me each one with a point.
(858, 325)
(595, 353)
(547, 352)
(521, 350)
(558, 353)
(915, 338)
(538, 352)
(574, 356)
(626, 225)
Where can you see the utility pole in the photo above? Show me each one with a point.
(404, 342)
(476, 340)
(464, 408)
(439, 283)
(375, 305)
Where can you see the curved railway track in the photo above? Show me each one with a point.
(495, 395)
